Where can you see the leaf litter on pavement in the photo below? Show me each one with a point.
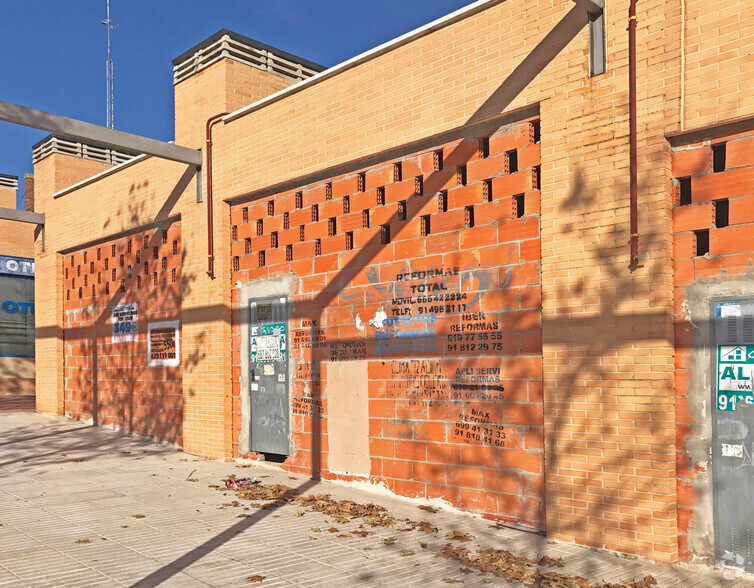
(499, 562)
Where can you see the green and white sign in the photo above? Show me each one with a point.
(735, 376)
(268, 343)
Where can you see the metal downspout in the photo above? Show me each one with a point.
(634, 176)
(210, 216)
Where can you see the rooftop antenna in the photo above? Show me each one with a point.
(110, 75)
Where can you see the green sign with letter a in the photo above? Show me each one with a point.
(735, 376)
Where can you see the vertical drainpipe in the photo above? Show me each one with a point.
(633, 173)
(210, 217)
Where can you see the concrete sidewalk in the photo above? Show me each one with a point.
(84, 506)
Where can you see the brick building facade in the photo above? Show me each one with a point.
(423, 272)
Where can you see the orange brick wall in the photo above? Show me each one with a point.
(16, 239)
(112, 381)
(434, 430)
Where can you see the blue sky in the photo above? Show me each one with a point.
(53, 51)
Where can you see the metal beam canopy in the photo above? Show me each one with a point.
(22, 216)
(592, 6)
(77, 129)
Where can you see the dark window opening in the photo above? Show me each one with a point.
(385, 234)
(685, 187)
(718, 157)
(537, 178)
(461, 175)
(419, 186)
(722, 210)
(702, 242)
(402, 210)
(512, 161)
(537, 130)
(519, 207)
(483, 149)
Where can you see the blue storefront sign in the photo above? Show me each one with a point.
(16, 266)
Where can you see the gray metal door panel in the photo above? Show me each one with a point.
(268, 375)
(733, 429)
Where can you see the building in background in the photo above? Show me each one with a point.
(16, 298)
(413, 269)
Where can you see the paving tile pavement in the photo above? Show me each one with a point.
(86, 506)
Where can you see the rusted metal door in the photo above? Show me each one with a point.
(733, 429)
(268, 375)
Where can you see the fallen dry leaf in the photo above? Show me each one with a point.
(333, 529)
(452, 581)
(389, 540)
(255, 578)
(314, 530)
(138, 516)
(83, 541)
(457, 535)
(554, 562)
(407, 552)
(299, 513)
(428, 508)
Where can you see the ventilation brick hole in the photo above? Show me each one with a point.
(315, 213)
(175, 247)
(487, 190)
(73, 257)
(146, 268)
(442, 201)
(537, 177)
(286, 221)
(107, 263)
(385, 234)
(236, 264)
(437, 160)
(537, 130)
(260, 228)
(425, 228)
(154, 279)
(331, 228)
(234, 233)
(346, 204)
(512, 161)
(138, 282)
(81, 294)
(722, 209)
(402, 210)
(155, 252)
(318, 247)
(718, 157)
(418, 186)
(468, 216)
(173, 275)
(381, 196)
(364, 219)
(247, 246)
(685, 184)
(107, 287)
(397, 172)
(349, 240)
(123, 285)
(164, 263)
(328, 191)
(301, 235)
(67, 294)
(78, 270)
(129, 273)
(270, 208)
(99, 277)
(702, 242)
(66, 273)
(122, 259)
(113, 275)
(299, 199)
(461, 175)
(519, 205)
(94, 293)
(361, 182)
(261, 259)
(274, 239)
(289, 252)
(86, 280)
(138, 257)
(129, 247)
(84, 256)
(99, 253)
(245, 214)
(483, 148)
